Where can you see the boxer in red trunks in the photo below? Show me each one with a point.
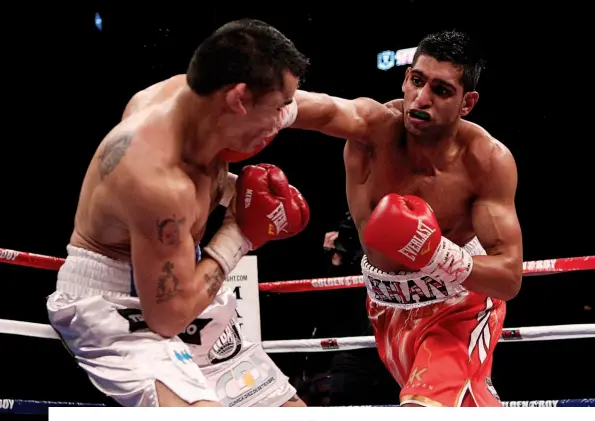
(432, 196)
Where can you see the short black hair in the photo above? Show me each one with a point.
(457, 48)
(244, 51)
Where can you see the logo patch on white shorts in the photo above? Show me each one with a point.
(179, 353)
(227, 346)
(247, 381)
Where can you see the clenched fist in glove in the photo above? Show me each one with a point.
(267, 208)
(404, 228)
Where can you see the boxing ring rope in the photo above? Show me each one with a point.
(537, 267)
(538, 333)
(530, 268)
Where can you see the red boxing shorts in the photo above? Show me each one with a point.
(441, 354)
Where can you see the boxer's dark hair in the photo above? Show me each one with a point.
(458, 49)
(244, 51)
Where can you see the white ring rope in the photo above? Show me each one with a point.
(538, 333)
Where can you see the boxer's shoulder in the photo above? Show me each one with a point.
(390, 111)
(133, 170)
(383, 120)
(153, 95)
(395, 105)
(484, 154)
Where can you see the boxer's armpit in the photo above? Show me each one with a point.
(214, 281)
(112, 153)
(168, 284)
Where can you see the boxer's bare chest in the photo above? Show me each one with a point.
(374, 173)
(209, 187)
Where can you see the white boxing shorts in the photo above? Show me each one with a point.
(97, 314)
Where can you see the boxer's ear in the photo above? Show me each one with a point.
(405, 79)
(236, 97)
(469, 101)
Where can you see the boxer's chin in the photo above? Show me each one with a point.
(414, 129)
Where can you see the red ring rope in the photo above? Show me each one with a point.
(22, 258)
(538, 267)
(532, 268)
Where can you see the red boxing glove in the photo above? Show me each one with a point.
(267, 207)
(404, 228)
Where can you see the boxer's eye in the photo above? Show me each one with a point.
(439, 90)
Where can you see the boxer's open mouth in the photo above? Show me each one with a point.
(421, 115)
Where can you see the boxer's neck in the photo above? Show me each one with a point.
(203, 138)
(432, 151)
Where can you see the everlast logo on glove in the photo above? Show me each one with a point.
(272, 209)
(413, 247)
(247, 198)
(279, 218)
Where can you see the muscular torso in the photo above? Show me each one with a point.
(379, 167)
(99, 222)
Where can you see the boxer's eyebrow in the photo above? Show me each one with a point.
(288, 101)
(446, 84)
(419, 73)
(440, 81)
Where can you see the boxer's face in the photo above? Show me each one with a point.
(261, 117)
(433, 96)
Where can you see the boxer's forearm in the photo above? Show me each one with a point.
(191, 300)
(333, 116)
(495, 276)
(315, 111)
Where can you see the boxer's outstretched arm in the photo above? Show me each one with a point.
(173, 288)
(497, 227)
(338, 117)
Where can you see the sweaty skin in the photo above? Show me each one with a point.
(469, 180)
(422, 146)
(145, 191)
(100, 222)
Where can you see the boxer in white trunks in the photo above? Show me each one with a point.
(137, 303)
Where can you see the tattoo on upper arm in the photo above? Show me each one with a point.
(214, 281)
(167, 283)
(112, 153)
(168, 230)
